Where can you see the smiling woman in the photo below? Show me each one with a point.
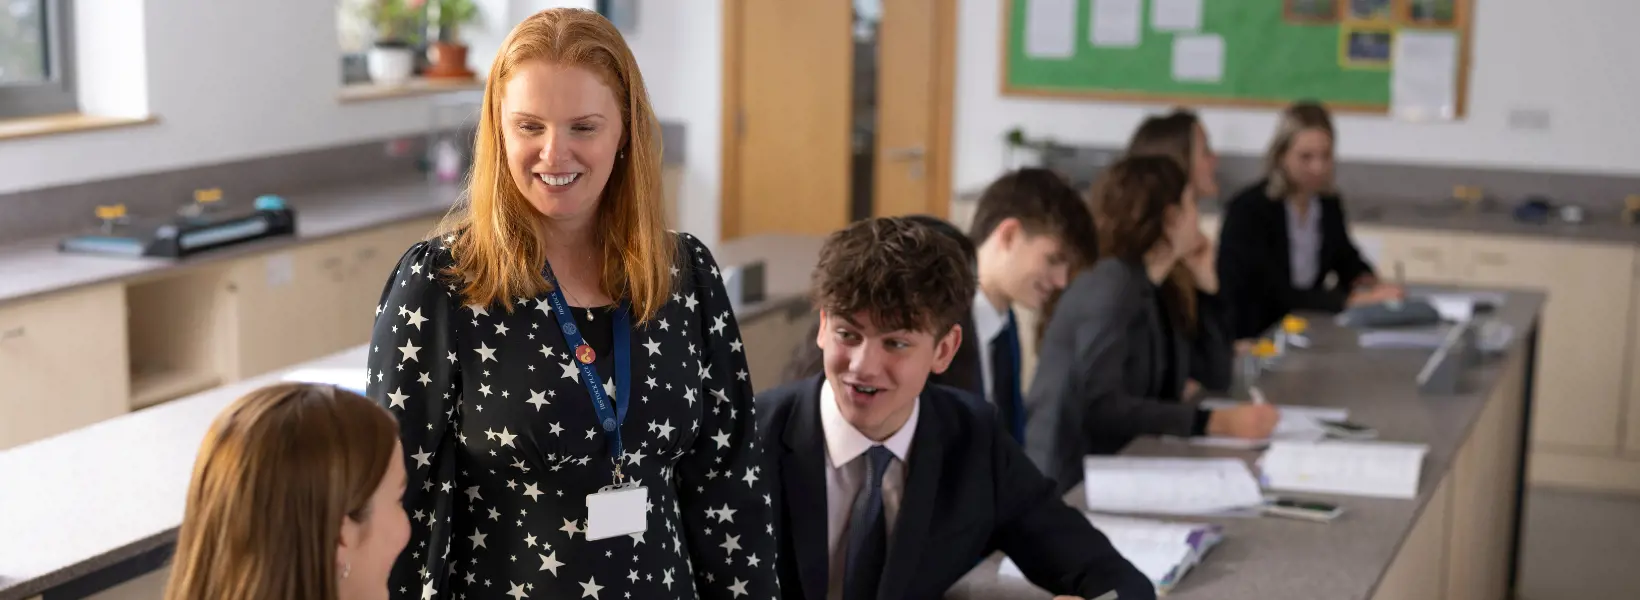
(567, 373)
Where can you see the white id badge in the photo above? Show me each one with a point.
(616, 511)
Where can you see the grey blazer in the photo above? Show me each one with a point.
(1102, 370)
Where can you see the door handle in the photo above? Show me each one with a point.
(904, 154)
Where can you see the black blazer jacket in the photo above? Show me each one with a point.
(969, 491)
(964, 372)
(1256, 273)
(1102, 371)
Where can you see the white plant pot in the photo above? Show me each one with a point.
(390, 66)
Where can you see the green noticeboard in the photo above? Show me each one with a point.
(1270, 54)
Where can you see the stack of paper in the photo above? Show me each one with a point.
(1177, 486)
(1164, 551)
(1298, 423)
(353, 380)
(1378, 469)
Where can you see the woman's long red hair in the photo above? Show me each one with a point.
(499, 251)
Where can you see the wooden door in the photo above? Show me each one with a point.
(789, 117)
(786, 138)
(914, 108)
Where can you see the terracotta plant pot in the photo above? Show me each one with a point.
(449, 61)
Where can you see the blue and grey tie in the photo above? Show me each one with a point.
(868, 531)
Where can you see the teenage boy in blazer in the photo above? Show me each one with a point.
(887, 488)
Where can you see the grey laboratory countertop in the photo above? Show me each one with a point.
(33, 267)
(1275, 559)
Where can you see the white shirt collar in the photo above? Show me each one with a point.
(844, 443)
(988, 319)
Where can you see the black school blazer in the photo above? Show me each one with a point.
(1255, 272)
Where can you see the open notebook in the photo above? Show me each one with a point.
(1297, 423)
(1169, 486)
(1163, 550)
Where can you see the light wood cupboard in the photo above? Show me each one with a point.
(1582, 344)
(1631, 433)
(1424, 256)
(63, 363)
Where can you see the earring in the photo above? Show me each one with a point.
(346, 570)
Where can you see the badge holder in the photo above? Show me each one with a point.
(617, 509)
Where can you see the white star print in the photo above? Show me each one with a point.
(689, 302)
(484, 389)
(637, 538)
(396, 399)
(506, 438)
(689, 394)
(632, 576)
(424, 379)
(478, 311)
(650, 381)
(634, 458)
(409, 350)
(722, 439)
(609, 387)
(427, 591)
(666, 429)
(538, 399)
(726, 514)
(721, 397)
(571, 372)
(478, 539)
(422, 457)
(752, 560)
(570, 528)
(531, 491)
(730, 544)
(664, 326)
(501, 329)
(666, 578)
(517, 592)
(416, 319)
(557, 429)
(547, 352)
(591, 588)
(486, 352)
(750, 478)
(735, 346)
(718, 325)
(549, 562)
(739, 588)
(653, 346)
(472, 493)
(529, 540)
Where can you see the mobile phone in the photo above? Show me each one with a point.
(1295, 508)
(1348, 430)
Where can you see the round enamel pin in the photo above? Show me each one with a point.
(585, 354)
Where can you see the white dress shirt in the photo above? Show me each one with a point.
(845, 475)
(1304, 244)
(988, 323)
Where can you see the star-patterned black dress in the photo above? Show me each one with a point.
(502, 444)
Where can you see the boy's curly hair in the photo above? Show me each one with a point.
(903, 273)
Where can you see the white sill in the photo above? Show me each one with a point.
(27, 127)
(361, 92)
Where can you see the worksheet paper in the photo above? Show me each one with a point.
(1050, 28)
(1423, 79)
(1115, 23)
(1376, 469)
(1297, 423)
(1179, 486)
(1162, 550)
(1176, 15)
(1198, 58)
(1459, 306)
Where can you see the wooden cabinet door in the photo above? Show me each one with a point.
(285, 305)
(63, 363)
(371, 260)
(1583, 342)
(1631, 436)
(1424, 256)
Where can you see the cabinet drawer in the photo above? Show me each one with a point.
(1582, 344)
(1423, 257)
(63, 363)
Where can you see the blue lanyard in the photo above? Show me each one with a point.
(609, 417)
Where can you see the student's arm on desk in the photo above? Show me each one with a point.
(1053, 544)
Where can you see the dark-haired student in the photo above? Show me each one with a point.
(964, 372)
(888, 488)
(1284, 244)
(1131, 330)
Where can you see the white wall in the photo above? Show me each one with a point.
(1575, 64)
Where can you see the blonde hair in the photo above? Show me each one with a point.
(1295, 119)
(276, 474)
(499, 252)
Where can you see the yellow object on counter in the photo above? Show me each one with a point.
(1294, 325)
(1265, 348)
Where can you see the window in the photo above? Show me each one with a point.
(36, 63)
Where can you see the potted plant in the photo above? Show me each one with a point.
(449, 53)
(398, 25)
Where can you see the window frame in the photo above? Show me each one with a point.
(55, 95)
